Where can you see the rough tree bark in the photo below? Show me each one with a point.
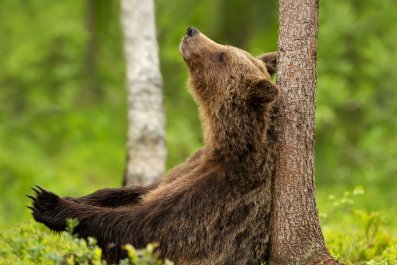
(146, 142)
(296, 236)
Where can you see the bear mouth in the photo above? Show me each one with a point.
(183, 49)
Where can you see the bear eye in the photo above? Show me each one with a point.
(220, 57)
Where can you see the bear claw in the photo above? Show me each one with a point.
(41, 188)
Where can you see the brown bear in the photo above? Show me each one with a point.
(113, 198)
(214, 209)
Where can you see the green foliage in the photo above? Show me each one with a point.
(54, 129)
(63, 107)
(356, 135)
(366, 241)
(32, 244)
(146, 256)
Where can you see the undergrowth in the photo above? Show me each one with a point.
(353, 235)
(33, 244)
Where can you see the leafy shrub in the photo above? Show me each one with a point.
(365, 240)
(32, 244)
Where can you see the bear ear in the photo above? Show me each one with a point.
(270, 59)
(263, 91)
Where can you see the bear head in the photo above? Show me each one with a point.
(233, 90)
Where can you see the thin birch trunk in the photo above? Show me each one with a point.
(296, 236)
(146, 141)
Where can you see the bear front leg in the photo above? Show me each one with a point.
(113, 198)
(53, 211)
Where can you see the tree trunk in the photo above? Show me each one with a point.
(146, 144)
(296, 236)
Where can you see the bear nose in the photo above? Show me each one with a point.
(191, 31)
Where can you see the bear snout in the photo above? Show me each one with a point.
(191, 31)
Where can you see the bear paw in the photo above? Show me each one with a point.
(46, 208)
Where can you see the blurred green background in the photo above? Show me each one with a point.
(63, 114)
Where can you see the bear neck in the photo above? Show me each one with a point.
(236, 141)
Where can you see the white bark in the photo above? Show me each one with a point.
(146, 141)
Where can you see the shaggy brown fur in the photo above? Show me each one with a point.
(132, 195)
(213, 210)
